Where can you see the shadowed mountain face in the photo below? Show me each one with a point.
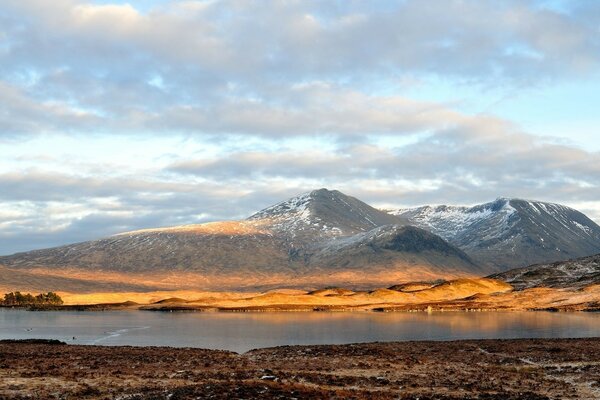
(391, 244)
(316, 239)
(572, 274)
(510, 233)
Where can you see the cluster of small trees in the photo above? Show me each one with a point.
(20, 299)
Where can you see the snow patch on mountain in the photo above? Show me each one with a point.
(451, 221)
(295, 217)
(295, 208)
(508, 232)
(361, 239)
(584, 228)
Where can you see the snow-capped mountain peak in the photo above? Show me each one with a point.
(297, 206)
(496, 231)
(327, 213)
(451, 221)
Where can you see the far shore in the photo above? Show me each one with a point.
(476, 294)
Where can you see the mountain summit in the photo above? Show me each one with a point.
(322, 214)
(510, 233)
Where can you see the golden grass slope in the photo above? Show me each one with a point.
(210, 228)
(457, 294)
(160, 297)
(297, 299)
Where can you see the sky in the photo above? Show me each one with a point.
(117, 116)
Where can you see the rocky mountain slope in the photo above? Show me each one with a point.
(389, 244)
(572, 274)
(509, 233)
(316, 239)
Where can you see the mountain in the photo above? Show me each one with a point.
(320, 215)
(317, 239)
(572, 274)
(509, 233)
(422, 254)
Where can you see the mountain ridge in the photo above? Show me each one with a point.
(507, 229)
(281, 244)
(574, 274)
(322, 214)
(323, 238)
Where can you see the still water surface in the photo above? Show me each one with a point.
(244, 331)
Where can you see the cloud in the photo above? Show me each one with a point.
(42, 209)
(22, 114)
(445, 167)
(302, 38)
(239, 67)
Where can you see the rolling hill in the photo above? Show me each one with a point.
(572, 274)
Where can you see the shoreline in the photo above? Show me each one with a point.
(464, 369)
(410, 308)
(383, 343)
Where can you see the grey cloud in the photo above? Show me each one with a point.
(22, 236)
(300, 39)
(22, 114)
(50, 209)
(181, 201)
(255, 165)
(438, 168)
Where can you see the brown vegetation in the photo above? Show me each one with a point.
(482, 369)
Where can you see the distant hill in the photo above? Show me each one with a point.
(572, 274)
(317, 239)
(509, 233)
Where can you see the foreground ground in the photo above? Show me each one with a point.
(481, 369)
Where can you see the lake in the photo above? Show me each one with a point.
(241, 332)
